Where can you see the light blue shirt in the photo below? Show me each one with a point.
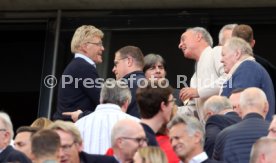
(78, 55)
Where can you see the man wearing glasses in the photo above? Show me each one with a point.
(156, 103)
(7, 152)
(71, 145)
(127, 137)
(79, 91)
(128, 66)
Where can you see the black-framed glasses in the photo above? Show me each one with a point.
(140, 141)
(67, 147)
(96, 43)
(117, 61)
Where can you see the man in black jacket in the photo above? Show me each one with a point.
(233, 144)
(128, 66)
(219, 114)
(79, 91)
(8, 153)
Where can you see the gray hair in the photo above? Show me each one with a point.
(235, 43)
(252, 97)
(192, 124)
(6, 120)
(115, 92)
(224, 28)
(205, 34)
(263, 145)
(217, 104)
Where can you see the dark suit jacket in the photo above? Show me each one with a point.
(233, 144)
(150, 135)
(78, 95)
(11, 155)
(214, 125)
(211, 161)
(244, 78)
(91, 158)
(132, 79)
(270, 68)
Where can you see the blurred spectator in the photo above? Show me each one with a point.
(150, 155)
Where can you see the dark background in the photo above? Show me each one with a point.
(23, 47)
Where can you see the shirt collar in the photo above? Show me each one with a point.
(199, 158)
(109, 106)
(78, 55)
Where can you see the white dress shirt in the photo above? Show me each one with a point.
(87, 59)
(199, 158)
(96, 127)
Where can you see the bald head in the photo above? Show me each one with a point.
(125, 128)
(253, 100)
(263, 151)
(272, 128)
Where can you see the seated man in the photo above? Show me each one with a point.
(263, 151)
(46, 146)
(127, 137)
(22, 141)
(156, 104)
(71, 145)
(187, 139)
(8, 153)
(96, 127)
(219, 114)
(233, 144)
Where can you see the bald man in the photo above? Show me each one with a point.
(254, 107)
(127, 137)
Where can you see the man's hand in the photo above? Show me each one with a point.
(74, 115)
(188, 93)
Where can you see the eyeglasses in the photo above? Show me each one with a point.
(96, 43)
(172, 100)
(67, 147)
(140, 141)
(116, 62)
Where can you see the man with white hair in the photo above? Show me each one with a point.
(225, 33)
(233, 144)
(239, 63)
(196, 44)
(96, 127)
(7, 152)
(187, 139)
(219, 114)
